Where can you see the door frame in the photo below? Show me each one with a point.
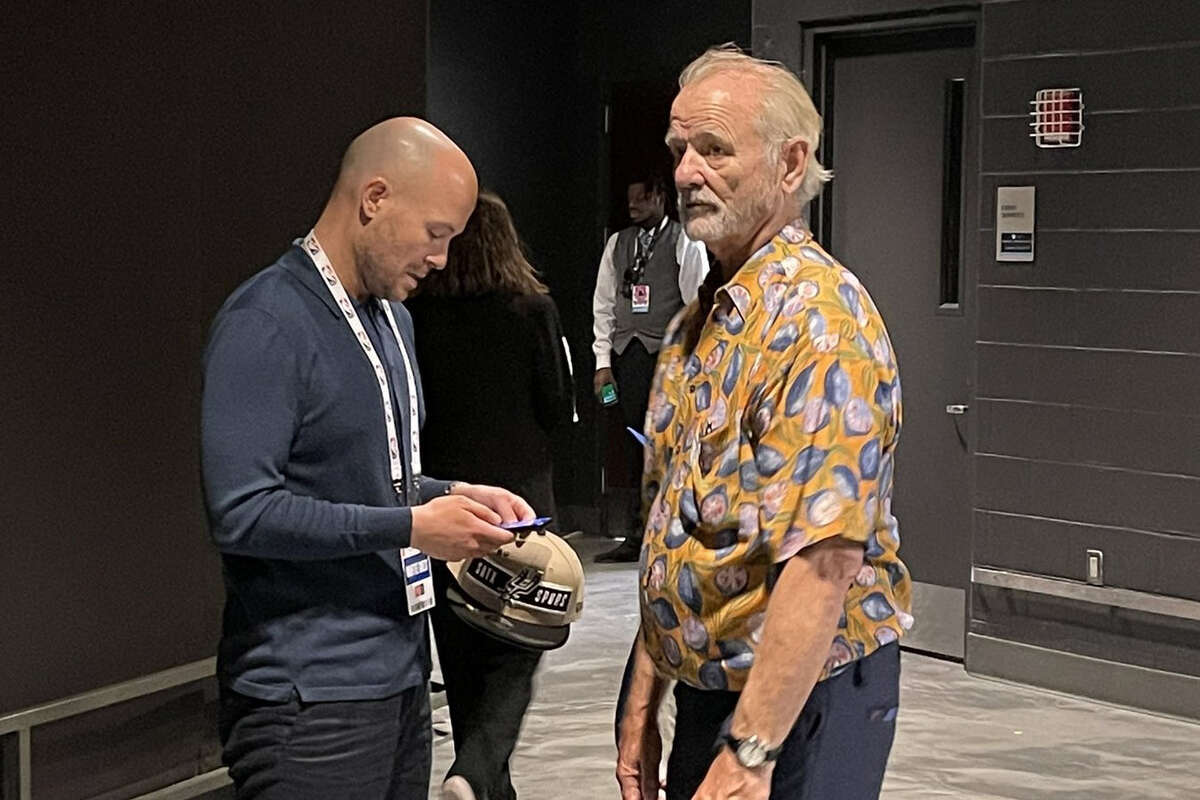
(906, 32)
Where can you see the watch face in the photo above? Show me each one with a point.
(751, 753)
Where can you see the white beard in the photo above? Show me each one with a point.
(726, 221)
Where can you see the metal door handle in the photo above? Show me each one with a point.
(957, 409)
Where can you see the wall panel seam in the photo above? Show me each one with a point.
(1081, 407)
(1086, 465)
(1054, 54)
(1084, 171)
(1121, 350)
(999, 512)
(1087, 289)
(990, 229)
(1107, 112)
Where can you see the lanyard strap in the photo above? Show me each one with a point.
(648, 249)
(334, 284)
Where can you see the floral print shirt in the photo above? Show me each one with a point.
(779, 431)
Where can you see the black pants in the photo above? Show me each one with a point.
(358, 750)
(488, 685)
(634, 371)
(838, 749)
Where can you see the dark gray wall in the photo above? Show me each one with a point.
(503, 81)
(521, 86)
(1088, 360)
(156, 156)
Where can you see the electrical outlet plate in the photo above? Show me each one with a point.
(1095, 567)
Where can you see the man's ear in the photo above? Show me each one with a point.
(374, 194)
(794, 154)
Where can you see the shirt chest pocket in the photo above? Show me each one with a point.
(720, 429)
(713, 432)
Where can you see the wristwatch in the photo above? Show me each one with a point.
(750, 752)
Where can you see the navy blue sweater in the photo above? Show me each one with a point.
(300, 498)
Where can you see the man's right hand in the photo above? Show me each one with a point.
(453, 528)
(639, 744)
(638, 755)
(603, 376)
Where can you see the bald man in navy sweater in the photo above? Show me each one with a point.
(311, 457)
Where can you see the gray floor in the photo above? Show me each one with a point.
(958, 736)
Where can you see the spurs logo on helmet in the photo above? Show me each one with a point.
(520, 584)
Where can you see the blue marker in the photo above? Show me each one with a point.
(641, 439)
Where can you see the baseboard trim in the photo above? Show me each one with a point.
(191, 788)
(1168, 693)
(941, 615)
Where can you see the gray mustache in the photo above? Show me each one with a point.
(698, 196)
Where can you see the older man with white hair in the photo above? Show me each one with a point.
(771, 589)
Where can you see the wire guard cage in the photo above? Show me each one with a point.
(1057, 118)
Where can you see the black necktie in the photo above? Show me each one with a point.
(645, 242)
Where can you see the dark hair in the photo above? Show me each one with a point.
(653, 182)
(486, 257)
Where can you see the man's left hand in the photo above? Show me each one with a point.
(510, 507)
(727, 779)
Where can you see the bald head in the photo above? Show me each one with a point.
(404, 190)
(404, 149)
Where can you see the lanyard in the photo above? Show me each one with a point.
(314, 249)
(418, 580)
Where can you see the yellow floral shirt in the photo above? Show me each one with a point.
(778, 432)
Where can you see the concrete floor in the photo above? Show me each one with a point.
(958, 736)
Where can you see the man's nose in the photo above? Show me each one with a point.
(687, 171)
(437, 260)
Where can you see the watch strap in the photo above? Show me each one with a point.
(726, 739)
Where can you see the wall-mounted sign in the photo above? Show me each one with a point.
(1014, 223)
(1057, 118)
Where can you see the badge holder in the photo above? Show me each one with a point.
(640, 298)
(418, 581)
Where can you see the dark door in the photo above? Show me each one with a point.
(895, 105)
(636, 118)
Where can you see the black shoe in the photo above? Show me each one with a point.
(626, 552)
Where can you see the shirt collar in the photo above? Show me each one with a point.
(657, 229)
(743, 290)
(301, 265)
